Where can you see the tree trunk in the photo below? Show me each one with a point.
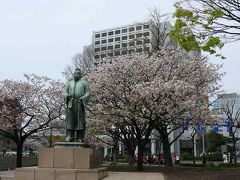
(131, 160)
(115, 152)
(193, 150)
(167, 150)
(234, 150)
(19, 154)
(140, 158)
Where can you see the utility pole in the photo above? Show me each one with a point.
(203, 144)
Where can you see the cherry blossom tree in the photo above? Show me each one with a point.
(120, 104)
(157, 91)
(27, 107)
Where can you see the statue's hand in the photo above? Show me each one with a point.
(81, 101)
(68, 96)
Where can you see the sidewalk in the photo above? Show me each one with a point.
(134, 176)
(9, 175)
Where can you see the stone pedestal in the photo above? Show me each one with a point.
(65, 163)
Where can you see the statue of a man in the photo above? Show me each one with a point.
(76, 95)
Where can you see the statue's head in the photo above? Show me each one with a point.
(77, 74)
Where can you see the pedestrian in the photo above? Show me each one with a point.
(229, 157)
(177, 159)
(156, 159)
(225, 158)
(204, 159)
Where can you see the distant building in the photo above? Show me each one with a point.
(124, 40)
(232, 99)
(223, 99)
(121, 40)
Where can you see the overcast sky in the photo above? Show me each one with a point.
(41, 36)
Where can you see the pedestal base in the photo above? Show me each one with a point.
(69, 158)
(69, 161)
(35, 173)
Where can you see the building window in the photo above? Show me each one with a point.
(147, 49)
(124, 45)
(96, 49)
(132, 43)
(139, 35)
(146, 41)
(110, 54)
(104, 48)
(131, 36)
(131, 51)
(146, 26)
(110, 33)
(124, 38)
(124, 52)
(110, 47)
(131, 29)
(117, 53)
(104, 41)
(146, 34)
(103, 56)
(139, 28)
(104, 34)
(117, 46)
(124, 30)
(117, 32)
(97, 42)
(139, 42)
(110, 40)
(117, 39)
(96, 57)
(97, 35)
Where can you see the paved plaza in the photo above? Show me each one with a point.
(9, 175)
(134, 176)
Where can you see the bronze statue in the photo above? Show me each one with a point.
(76, 95)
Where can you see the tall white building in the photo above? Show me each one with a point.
(128, 39)
(121, 40)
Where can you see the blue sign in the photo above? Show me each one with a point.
(215, 127)
(229, 123)
(200, 127)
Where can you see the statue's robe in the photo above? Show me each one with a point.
(75, 112)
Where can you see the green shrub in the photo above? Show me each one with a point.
(191, 165)
(216, 156)
(107, 158)
(123, 158)
(228, 165)
(198, 158)
(120, 157)
(186, 156)
(211, 164)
